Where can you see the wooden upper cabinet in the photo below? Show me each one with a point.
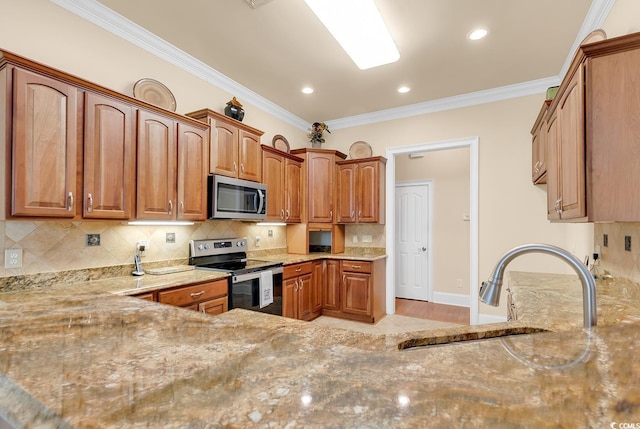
(193, 143)
(109, 158)
(44, 146)
(553, 172)
(249, 156)
(361, 190)
(234, 148)
(293, 190)
(282, 173)
(539, 147)
(157, 152)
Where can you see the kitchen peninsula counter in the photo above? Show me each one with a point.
(102, 360)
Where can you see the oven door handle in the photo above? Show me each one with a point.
(254, 275)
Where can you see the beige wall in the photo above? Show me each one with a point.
(448, 171)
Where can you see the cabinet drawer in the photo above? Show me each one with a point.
(356, 266)
(190, 294)
(297, 269)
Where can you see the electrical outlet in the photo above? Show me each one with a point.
(355, 238)
(170, 237)
(627, 243)
(258, 241)
(142, 246)
(93, 240)
(459, 283)
(13, 258)
(605, 240)
(270, 233)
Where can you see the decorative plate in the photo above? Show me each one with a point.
(153, 92)
(360, 150)
(280, 143)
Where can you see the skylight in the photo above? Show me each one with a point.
(359, 29)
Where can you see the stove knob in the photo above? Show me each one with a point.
(206, 246)
(200, 247)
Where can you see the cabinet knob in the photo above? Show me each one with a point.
(89, 202)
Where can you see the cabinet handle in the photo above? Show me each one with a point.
(70, 201)
(296, 288)
(235, 167)
(356, 267)
(301, 286)
(196, 294)
(282, 213)
(181, 207)
(298, 269)
(287, 216)
(242, 167)
(537, 166)
(344, 280)
(170, 207)
(353, 213)
(359, 213)
(330, 214)
(90, 202)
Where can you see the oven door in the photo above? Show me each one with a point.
(245, 292)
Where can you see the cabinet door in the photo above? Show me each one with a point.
(109, 158)
(346, 194)
(290, 298)
(223, 149)
(293, 191)
(192, 173)
(305, 296)
(250, 156)
(572, 149)
(317, 285)
(553, 173)
(368, 192)
(320, 176)
(156, 187)
(45, 128)
(273, 167)
(214, 307)
(356, 293)
(331, 293)
(538, 155)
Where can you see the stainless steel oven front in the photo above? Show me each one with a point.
(244, 291)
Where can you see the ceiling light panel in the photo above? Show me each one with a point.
(359, 29)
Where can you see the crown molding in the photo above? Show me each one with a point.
(456, 102)
(115, 23)
(102, 16)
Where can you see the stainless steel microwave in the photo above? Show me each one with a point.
(231, 198)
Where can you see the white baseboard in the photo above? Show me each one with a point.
(451, 299)
(485, 319)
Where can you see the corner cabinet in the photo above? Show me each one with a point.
(361, 190)
(592, 134)
(320, 177)
(234, 147)
(282, 173)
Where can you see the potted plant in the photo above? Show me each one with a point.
(315, 134)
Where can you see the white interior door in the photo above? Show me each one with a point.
(413, 248)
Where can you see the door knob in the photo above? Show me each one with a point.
(424, 249)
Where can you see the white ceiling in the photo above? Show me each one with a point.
(278, 48)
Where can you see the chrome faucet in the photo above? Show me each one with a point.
(490, 290)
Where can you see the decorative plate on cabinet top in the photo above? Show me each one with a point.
(280, 143)
(154, 92)
(360, 150)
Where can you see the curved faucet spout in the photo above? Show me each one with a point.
(490, 290)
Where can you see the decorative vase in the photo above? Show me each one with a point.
(234, 109)
(316, 145)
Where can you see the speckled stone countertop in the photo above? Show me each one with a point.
(107, 361)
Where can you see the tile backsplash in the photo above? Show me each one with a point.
(50, 246)
(615, 259)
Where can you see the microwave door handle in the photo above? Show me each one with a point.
(261, 203)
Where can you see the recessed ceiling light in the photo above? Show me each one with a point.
(478, 34)
(404, 89)
(359, 29)
(307, 90)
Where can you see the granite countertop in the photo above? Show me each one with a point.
(101, 360)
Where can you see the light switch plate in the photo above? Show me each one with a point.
(13, 258)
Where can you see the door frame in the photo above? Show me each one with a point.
(472, 144)
(429, 185)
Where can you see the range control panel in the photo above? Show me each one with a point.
(218, 246)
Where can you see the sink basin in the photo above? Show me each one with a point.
(471, 335)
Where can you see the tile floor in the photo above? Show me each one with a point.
(390, 324)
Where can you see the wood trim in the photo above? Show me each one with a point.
(275, 151)
(205, 113)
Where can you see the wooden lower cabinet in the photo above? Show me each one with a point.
(356, 290)
(208, 297)
(298, 291)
